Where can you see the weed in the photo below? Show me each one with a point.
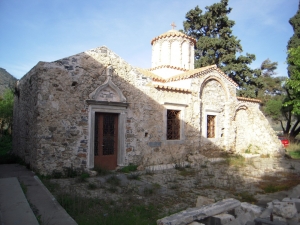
(265, 156)
(101, 171)
(92, 186)
(236, 160)
(129, 168)
(113, 180)
(112, 189)
(70, 172)
(82, 178)
(24, 188)
(187, 173)
(292, 167)
(247, 197)
(248, 150)
(133, 176)
(203, 166)
(294, 150)
(271, 184)
(56, 174)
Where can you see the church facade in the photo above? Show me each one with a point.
(93, 109)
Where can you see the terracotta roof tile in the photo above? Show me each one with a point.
(172, 88)
(173, 33)
(187, 74)
(167, 66)
(248, 99)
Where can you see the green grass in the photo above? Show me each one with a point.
(246, 197)
(129, 168)
(294, 150)
(236, 160)
(94, 211)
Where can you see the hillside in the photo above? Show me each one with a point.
(6, 80)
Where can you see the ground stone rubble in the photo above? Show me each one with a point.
(233, 212)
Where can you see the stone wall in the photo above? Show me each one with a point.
(52, 121)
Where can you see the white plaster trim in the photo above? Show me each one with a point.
(121, 110)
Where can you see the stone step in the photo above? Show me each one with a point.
(14, 207)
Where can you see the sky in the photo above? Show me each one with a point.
(48, 30)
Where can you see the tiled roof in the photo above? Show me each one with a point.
(147, 73)
(187, 74)
(172, 88)
(198, 72)
(167, 66)
(173, 33)
(249, 99)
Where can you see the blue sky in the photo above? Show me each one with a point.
(47, 30)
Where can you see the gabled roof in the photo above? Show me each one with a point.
(187, 74)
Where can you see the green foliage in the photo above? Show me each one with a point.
(217, 45)
(6, 110)
(294, 41)
(294, 150)
(273, 109)
(113, 180)
(129, 168)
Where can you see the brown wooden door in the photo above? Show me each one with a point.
(106, 140)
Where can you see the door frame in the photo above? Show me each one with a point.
(107, 107)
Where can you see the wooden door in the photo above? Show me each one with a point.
(106, 140)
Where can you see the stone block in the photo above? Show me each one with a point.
(195, 223)
(295, 193)
(285, 209)
(295, 200)
(224, 218)
(253, 209)
(268, 222)
(266, 213)
(201, 201)
(244, 218)
(192, 214)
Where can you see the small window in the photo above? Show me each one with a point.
(211, 122)
(173, 124)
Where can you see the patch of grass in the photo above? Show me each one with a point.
(293, 150)
(56, 174)
(185, 172)
(113, 180)
(271, 184)
(93, 211)
(134, 176)
(92, 186)
(101, 171)
(236, 160)
(24, 187)
(247, 197)
(82, 178)
(263, 156)
(129, 168)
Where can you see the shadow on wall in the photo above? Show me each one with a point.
(54, 124)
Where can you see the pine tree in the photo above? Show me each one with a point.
(217, 45)
(294, 41)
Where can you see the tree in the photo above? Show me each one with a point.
(6, 110)
(294, 41)
(217, 45)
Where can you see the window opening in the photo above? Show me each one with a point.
(211, 122)
(173, 124)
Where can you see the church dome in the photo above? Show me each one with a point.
(173, 49)
(173, 33)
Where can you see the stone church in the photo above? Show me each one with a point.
(94, 109)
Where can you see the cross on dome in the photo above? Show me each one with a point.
(173, 25)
